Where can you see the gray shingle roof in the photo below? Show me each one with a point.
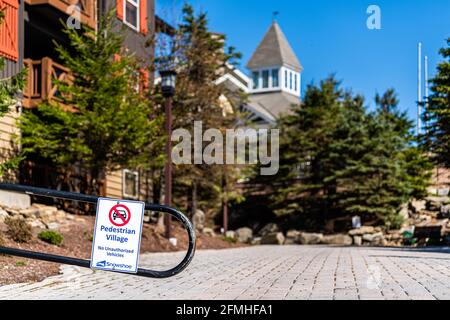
(274, 50)
(276, 103)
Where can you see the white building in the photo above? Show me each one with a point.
(275, 80)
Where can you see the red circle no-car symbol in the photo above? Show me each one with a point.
(119, 215)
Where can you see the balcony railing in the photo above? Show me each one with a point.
(41, 81)
(87, 8)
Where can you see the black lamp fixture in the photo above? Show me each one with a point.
(168, 82)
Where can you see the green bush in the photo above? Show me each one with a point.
(21, 264)
(51, 237)
(18, 229)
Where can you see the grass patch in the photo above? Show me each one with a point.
(51, 237)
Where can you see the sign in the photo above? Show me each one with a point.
(117, 235)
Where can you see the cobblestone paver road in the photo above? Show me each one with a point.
(289, 272)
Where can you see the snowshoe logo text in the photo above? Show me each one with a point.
(104, 264)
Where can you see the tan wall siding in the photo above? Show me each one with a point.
(9, 134)
(114, 186)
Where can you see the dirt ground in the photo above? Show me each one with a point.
(78, 243)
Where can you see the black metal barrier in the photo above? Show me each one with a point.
(33, 191)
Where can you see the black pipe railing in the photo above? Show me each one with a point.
(33, 191)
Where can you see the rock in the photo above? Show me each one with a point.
(374, 239)
(338, 240)
(199, 219)
(276, 238)
(60, 216)
(230, 234)
(361, 231)
(12, 212)
(256, 241)
(244, 235)
(445, 211)
(30, 212)
(310, 238)
(357, 241)
(36, 223)
(404, 212)
(435, 203)
(71, 217)
(270, 228)
(293, 234)
(417, 206)
(289, 242)
(53, 226)
(3, 215)
(209, 232)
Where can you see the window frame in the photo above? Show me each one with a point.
(256, 76)
(275, 75)
(137, 4)
(265, 80)
(124, 176)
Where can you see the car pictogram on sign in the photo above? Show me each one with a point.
(122, 213)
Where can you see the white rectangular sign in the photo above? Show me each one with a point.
(117, 235)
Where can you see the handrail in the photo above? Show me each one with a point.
(34, 191)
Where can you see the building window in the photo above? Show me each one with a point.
(290, 80)
(130, 184)
(131, 9)
(265, 79)
(275, 80)
(285, 79)
(295, 82)
(255, 80)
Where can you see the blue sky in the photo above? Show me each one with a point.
(331, 37)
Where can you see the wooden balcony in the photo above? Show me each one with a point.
(40, 82)
(87, 8)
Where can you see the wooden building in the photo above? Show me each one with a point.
(27, 39)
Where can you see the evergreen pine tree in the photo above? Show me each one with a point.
(108, 125)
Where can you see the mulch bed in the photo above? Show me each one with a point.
(78, 243)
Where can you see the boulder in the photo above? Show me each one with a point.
(30, 212)
(53, 226)
(294, 235)
(209, 232)
(3, 215)
(276, 238)
(256, 241)
(35, 223)
(357, 241)
(374, 239)
(417, 206)
(60, 216)
(244, 235)
(289, 241)
(310, 238)
(361, 231)
(230, 234)
(199, 219)
(404, 212)
(445, 211)
(270, 228)
(435, 203)
(338, 240)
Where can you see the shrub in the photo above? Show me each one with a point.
(18, 229)
(51, 237)
(21, 264)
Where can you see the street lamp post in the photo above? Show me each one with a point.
(168, 78)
